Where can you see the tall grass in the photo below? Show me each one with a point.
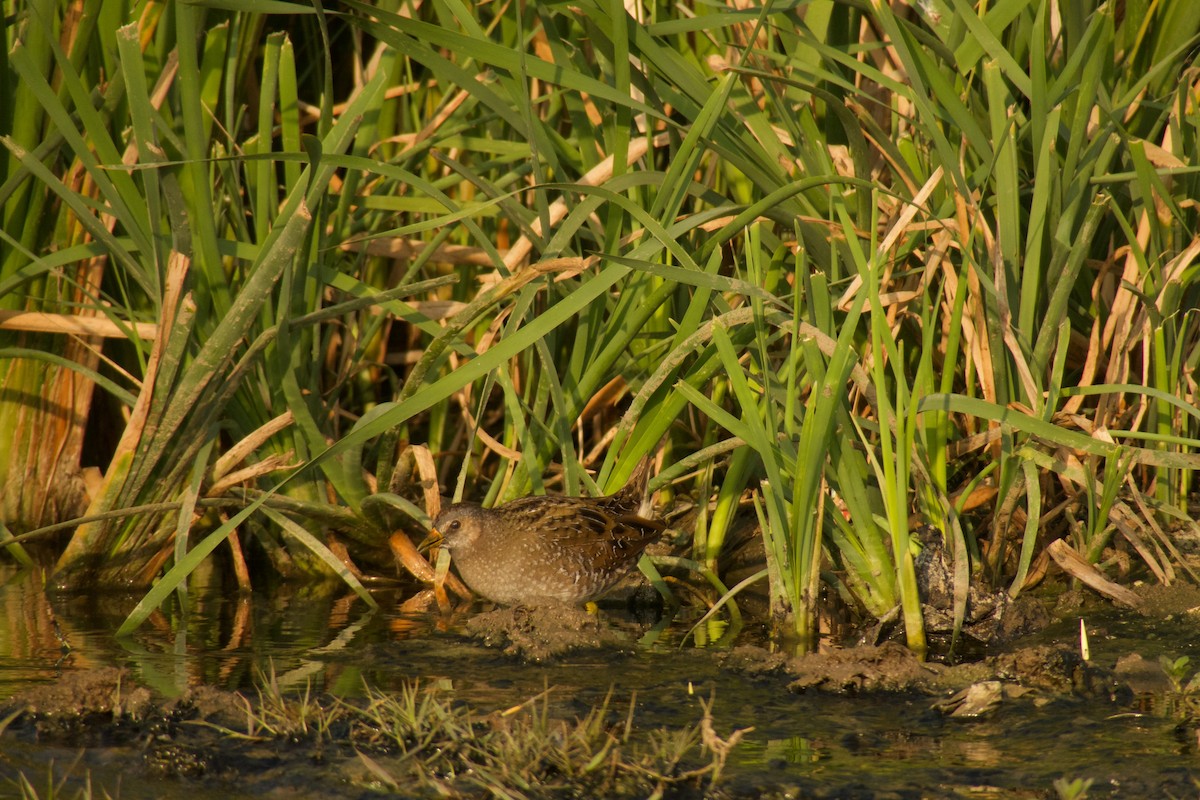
(870, 263)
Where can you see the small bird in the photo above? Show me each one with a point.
(551, 549)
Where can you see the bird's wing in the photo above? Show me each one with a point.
(598, 538)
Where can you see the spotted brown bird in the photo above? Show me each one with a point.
(551, 549)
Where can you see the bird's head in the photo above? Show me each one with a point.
(460, 526)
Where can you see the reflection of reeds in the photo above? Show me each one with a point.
(902, 266)
(32, 641)
(56, 784)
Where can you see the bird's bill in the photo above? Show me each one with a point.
(429, 542)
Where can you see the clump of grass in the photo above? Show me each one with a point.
(1072, 788)
(421, 734)
(1177, 671)
(418, 721)
(279, 715)
(525, 750)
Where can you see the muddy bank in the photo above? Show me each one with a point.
(539, 704)
(547, 635)
(866, 722)
(421, 741)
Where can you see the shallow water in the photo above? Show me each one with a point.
(803, 745)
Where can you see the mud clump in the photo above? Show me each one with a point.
(1056, 669)
(1169, 601)
(891, 667)
(752, 661)
(107, 691)
(104, 708)
(1142, 675)
(543, 634)
(84, 708)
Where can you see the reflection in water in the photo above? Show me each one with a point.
(33, 647)
(793, 750)
(223, 638)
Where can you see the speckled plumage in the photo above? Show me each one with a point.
(549, 549)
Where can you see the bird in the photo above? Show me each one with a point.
(549, 549)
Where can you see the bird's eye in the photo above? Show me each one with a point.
(454, 525)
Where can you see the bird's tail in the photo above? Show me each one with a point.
(631, 495)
